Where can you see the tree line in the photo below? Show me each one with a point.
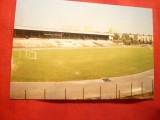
(126, 39)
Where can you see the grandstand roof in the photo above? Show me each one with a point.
(60, 30)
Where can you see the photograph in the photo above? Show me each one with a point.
(70, 50)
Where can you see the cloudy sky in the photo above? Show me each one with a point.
(68, 15)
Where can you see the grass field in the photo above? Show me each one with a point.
(80, 64)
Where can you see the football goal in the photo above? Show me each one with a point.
(29, 54)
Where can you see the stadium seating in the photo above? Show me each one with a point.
(33, 43)
(49, 43)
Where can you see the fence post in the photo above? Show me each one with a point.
(25, 94)
(65, 94)
(141, 88)
(152, 87)
(131, 90)
(83, 94)
(44, 94)
(119, 94)
(100, 92)
(116, 91)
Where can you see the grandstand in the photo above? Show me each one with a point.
(28, 38)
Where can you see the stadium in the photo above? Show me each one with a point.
(78, 58)
(77, 61)
(58, 49)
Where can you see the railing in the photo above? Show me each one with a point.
(118, 93)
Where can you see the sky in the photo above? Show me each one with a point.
(81, 16)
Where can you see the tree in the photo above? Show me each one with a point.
(135, 37)
(116, 36)
(150, 42)
(127, 42)
(126, 39)
(125, 36)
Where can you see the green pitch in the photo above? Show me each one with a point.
(80, 64)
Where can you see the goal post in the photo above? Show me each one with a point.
(29, 54)
(26, 54)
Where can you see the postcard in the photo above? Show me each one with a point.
(69, 50)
